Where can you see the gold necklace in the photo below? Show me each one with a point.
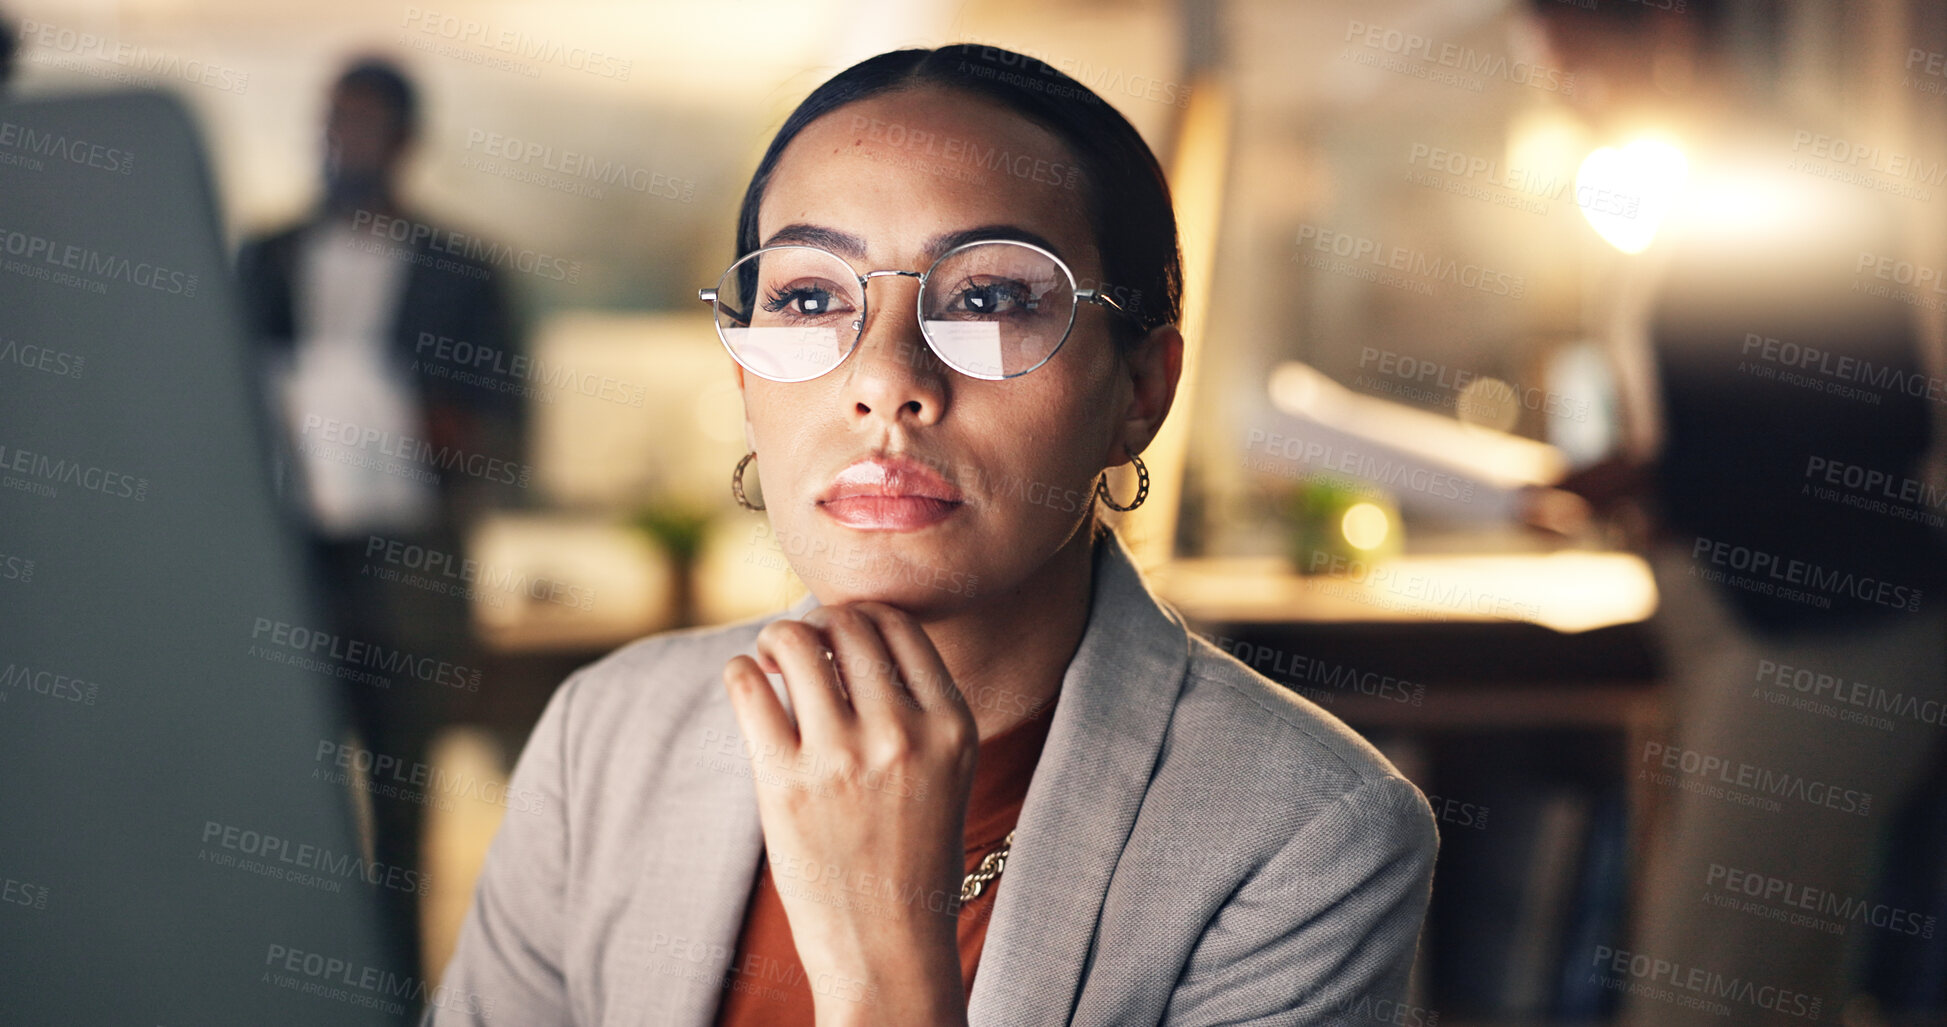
(988, 871)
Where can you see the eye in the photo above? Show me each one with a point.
(991, 297)
(804, 299)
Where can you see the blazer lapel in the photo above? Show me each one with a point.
(1116, 702)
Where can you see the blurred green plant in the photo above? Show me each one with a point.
(678, 527)
(1323, 536)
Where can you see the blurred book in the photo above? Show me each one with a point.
(1433, 465)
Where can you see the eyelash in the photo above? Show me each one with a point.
(777, 301)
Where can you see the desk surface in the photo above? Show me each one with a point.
(1568, 591)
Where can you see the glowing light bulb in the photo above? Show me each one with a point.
(1365, 526)
(1626, 193)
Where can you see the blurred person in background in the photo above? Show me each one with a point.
(1791, 596)
(382, 441)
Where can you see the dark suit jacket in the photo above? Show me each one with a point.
(1776, 358)
(446, 295)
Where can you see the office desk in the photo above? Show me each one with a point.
(1501, 640)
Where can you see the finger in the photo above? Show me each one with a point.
(766, 725)
(799, 650)
(919, 662)
(870, 675)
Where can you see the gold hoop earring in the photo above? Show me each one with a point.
(1142, 485)
(737, 482)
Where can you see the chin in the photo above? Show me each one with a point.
(911, 585)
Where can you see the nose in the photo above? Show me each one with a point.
(894, 375)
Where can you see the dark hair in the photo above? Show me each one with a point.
(389, 83)
(1127, 196)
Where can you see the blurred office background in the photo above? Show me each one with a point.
(1421, 242)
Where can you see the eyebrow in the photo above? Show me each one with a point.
(848, 245)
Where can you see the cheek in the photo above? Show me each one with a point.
(781, 414)
(1053, 438)
(780, 424)
(1081, 408)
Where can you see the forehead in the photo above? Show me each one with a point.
(901, 168)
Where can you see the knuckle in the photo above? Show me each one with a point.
(895, 749)
(788, 633)
(848, 633)
(878, 611)
(848, 616)
(894, 614)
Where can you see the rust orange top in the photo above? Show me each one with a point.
(766, 986)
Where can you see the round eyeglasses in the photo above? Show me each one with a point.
(992, 309)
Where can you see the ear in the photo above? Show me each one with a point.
(1155, 366)
(750, 434)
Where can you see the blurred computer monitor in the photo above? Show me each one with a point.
(178, 841)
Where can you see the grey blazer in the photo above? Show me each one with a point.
(1198, 846)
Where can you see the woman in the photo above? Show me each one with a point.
(980, 698)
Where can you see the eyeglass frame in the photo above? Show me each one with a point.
(709, 295)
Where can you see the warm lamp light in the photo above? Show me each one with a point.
(1626, 192)
(1365, 526)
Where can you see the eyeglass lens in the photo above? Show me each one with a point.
(991, 310)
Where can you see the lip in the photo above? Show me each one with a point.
(889, 493)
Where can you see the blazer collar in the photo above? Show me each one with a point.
(1116, 701)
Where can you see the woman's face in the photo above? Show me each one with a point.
(1016, 458)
